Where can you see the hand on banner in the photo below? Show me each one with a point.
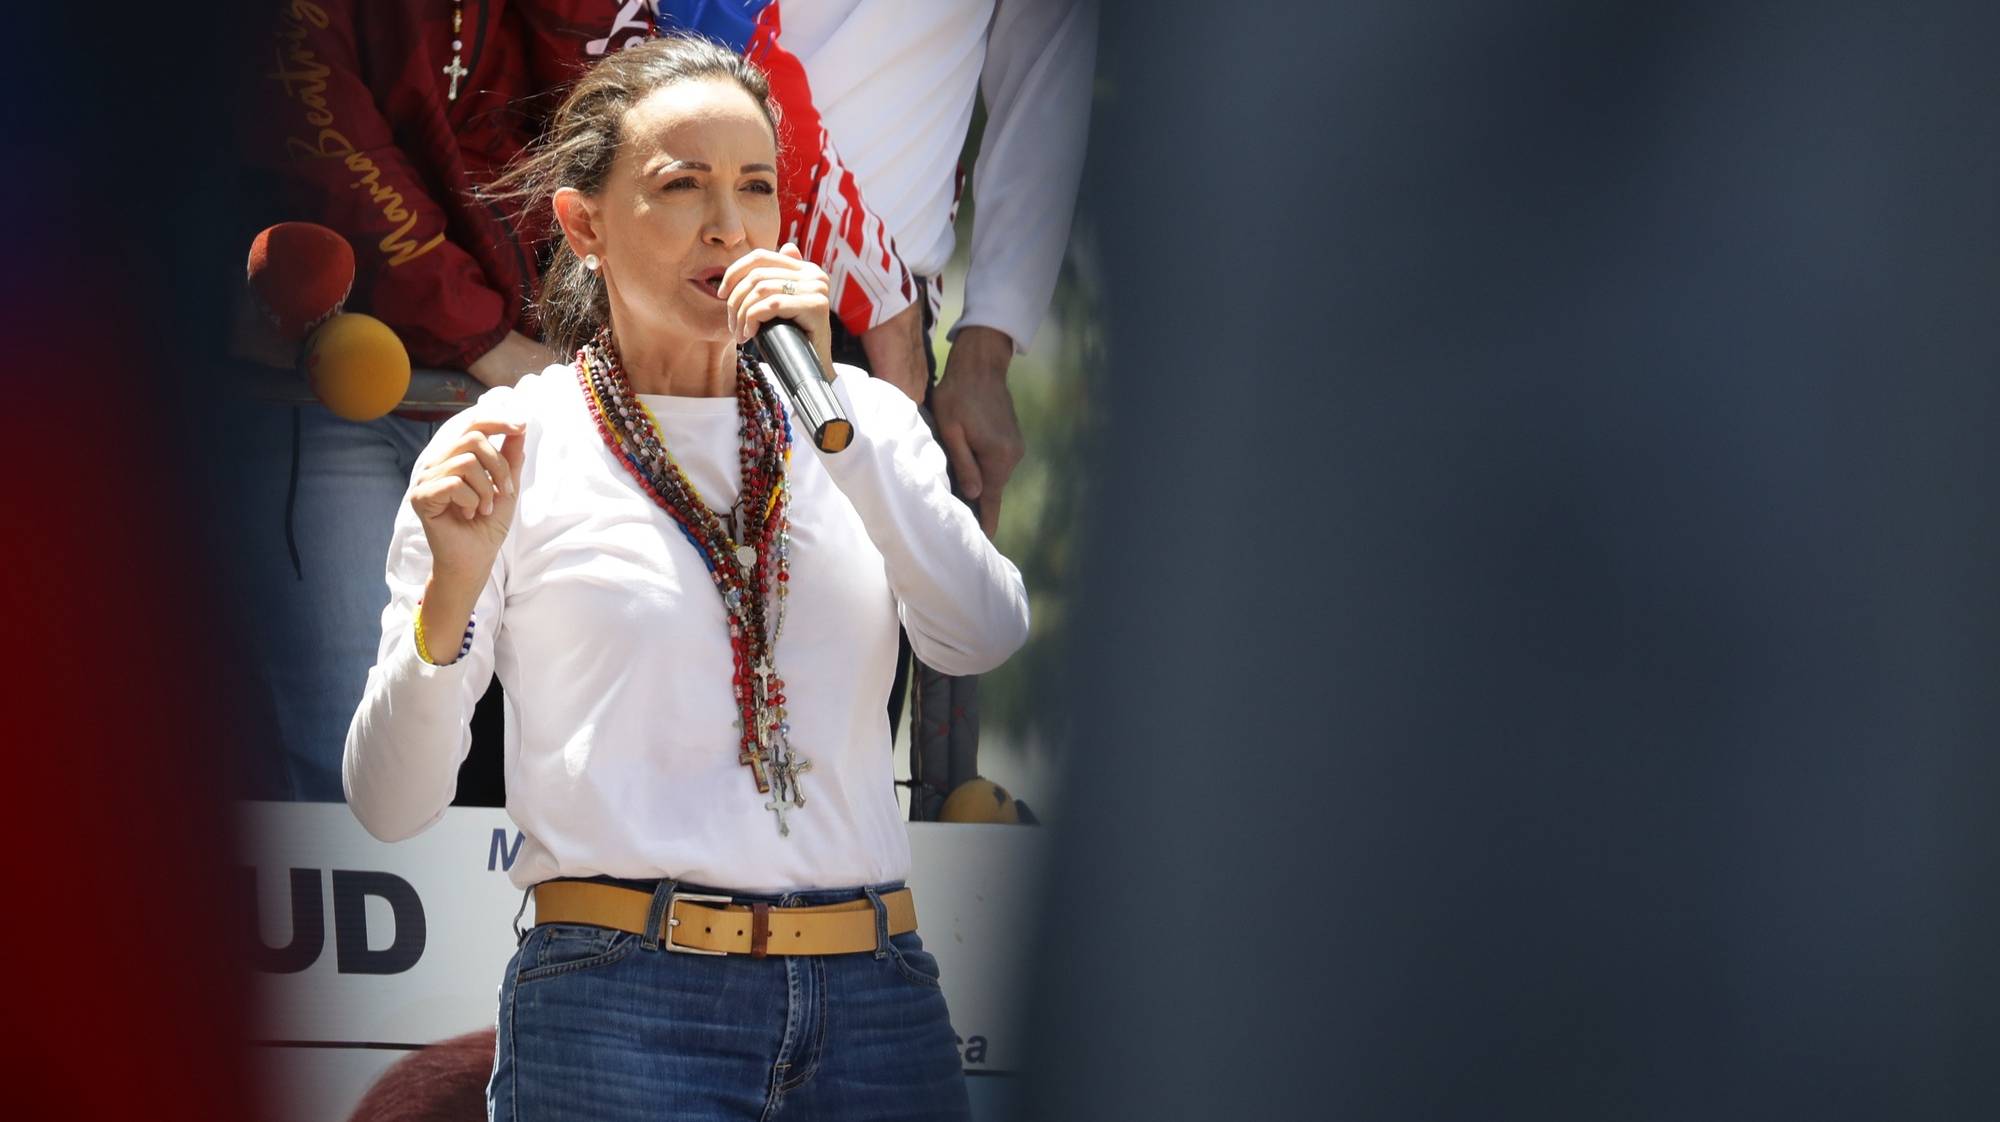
(515, 357)
(975, 416)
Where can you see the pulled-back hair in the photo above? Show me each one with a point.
(580, 145)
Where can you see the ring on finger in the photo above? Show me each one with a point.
(791, 288)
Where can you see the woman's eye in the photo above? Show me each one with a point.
(761, 187)
(679, 184)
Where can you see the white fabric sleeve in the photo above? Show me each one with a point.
(413, 728)
(1040, 60)
(963, 603)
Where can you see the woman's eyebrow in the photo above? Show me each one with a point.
(697, 165)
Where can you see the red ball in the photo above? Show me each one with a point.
(301, 273)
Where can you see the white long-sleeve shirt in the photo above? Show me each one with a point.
(620, 754)
(894, 82)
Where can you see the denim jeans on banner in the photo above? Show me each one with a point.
(606, 1026)
(312, 538)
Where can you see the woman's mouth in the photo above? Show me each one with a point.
(709, 281)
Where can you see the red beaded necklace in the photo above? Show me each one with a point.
(749, 561)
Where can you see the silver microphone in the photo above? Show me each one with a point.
(785, 348)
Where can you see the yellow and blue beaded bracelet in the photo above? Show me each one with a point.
(464, 646)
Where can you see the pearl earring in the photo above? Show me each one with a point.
(591, 262)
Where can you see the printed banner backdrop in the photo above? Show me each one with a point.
(367, 950)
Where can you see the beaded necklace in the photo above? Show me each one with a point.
(456, 70)
(749, 561)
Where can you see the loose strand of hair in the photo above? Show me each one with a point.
(579, 146)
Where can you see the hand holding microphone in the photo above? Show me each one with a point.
(781, 299)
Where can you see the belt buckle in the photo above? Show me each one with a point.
(672, 922)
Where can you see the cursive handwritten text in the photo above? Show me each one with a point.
(299, 72)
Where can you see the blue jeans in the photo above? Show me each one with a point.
(311, 540)
(604, 1025)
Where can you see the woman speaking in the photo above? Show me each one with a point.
(694, 612)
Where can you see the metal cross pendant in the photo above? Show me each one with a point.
(785, 793)
(786, 776)
(778, 805)
(456, 71)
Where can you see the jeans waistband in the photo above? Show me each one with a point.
(806, 896)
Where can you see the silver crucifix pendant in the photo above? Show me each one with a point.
(778, 805)
(785, 792)
(455, 72)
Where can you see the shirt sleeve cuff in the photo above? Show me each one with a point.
(406, 665)
(1019, 323)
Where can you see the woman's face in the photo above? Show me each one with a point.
(694, 186)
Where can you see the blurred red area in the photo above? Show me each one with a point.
(125, 998)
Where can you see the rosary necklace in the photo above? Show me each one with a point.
(749, 561)
(457, 68)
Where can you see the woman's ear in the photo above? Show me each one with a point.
(577, 215)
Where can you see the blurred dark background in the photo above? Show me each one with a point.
(1538, 640)
(120, 716)
(1536, 631)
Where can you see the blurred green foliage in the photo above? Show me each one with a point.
(1041, 515)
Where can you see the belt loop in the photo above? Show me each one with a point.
(521, 936)
(656, 916)
(881, 922)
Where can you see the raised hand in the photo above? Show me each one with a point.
(464, 495)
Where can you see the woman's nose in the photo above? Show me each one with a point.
(725, 225)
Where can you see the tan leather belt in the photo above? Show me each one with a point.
(699, 924)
